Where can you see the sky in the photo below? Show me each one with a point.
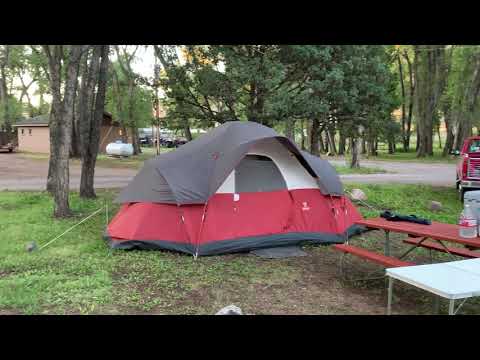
(143, 64)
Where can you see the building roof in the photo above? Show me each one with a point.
(43, 120)
(40, 120)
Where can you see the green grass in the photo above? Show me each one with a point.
(345, 170)
(412, 156)
(410, 199)
(80, 274)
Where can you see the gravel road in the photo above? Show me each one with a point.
(20, 173)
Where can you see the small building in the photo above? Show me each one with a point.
(34, 133)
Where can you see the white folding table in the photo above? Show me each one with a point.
(451, 280)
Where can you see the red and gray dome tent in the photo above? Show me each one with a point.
(239, 187)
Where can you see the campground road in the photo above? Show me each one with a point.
(404, 172)
(20, 173)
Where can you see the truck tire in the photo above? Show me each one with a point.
(462, 194)
(457, 183)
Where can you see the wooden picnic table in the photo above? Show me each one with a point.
(436, 231)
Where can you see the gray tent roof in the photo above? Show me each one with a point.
(193, 173)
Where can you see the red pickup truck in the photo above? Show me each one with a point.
(468, 166)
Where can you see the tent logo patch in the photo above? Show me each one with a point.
(305, 206)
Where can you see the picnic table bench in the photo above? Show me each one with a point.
(432, 237)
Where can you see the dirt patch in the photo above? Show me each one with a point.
(317, 290)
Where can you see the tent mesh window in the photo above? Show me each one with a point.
(257, 173)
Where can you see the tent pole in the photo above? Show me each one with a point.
(200, 232)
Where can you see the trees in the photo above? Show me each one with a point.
(333, 87)
(218, 83)
(129, 101)
(4, 95)
(431, 69)
(404, 56)
(124, 76)
(61, 60)
(91, 110)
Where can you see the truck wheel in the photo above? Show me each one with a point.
(10, 150)
(457, 184)
(462, 194)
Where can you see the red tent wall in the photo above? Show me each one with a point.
(256, 220)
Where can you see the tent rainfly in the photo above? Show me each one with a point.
(239, 187)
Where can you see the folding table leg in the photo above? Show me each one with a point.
(390, 293)
(451, 307)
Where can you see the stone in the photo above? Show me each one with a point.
(230, 310)
(358, 194)
(435, 205)
(31, 246)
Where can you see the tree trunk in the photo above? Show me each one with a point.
(135, 142)
(408, 132)
(363, 146)
(89, 158)
(186, 129)
(314, 137)
(290, 129)
(430, 69)
(331, 142)
(447, 149)
(391, 146)
(355, 146)
(402, 88)
(341, 143)
(124, 134)
(75, 146)
(439, 136)
(302, 128)
(308, 140)
(371, 147)
(4, 90)
(323, 147)
(52, 161)
(62, 118)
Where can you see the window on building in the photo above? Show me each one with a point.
(23, 131)
(29, 131)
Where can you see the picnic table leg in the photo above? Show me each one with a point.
(387, 243)
(390, 294)
(451, 307)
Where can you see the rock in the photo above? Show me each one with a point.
(436, 206)
(230, 310)
(358, 194)
(31, 246)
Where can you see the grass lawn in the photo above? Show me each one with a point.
(79, 274)
(346, 170)
(412, 156)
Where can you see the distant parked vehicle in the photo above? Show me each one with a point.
(145, 140)
(6, 141)
(468, 166)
